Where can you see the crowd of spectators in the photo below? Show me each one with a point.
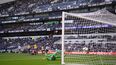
(94, 42)
(92, 47)
(12, 43)
(49, 41)
(38, 6)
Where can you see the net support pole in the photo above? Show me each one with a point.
(63, 17)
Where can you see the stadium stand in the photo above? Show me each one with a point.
(38, 6)
(32, 27)
(12, 43)
(95, 43)
(20, 13)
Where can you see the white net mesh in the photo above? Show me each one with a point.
(102, 16)
(89, 38)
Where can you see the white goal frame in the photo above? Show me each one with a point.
(62, 54)
(84, 17)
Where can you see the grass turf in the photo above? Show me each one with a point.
(27, 59)
(91, 59)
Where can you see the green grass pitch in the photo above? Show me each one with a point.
(91, 59)
(27, 59)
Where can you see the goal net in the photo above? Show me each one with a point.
(89, 38)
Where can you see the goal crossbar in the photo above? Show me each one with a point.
(106, 21)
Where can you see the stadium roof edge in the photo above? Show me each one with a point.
(5, 1)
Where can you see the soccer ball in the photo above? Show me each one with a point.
(85, 49)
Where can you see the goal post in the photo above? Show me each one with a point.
(86, 36)
(63, 19)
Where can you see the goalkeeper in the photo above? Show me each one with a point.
(53, 57)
